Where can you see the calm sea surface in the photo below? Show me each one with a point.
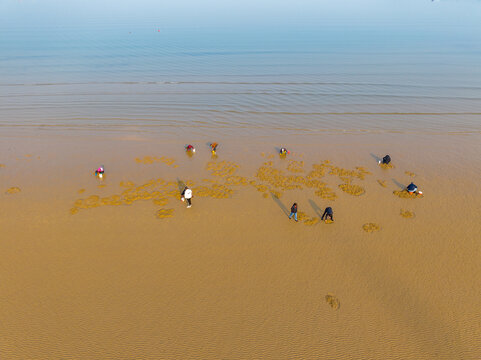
(341, 78)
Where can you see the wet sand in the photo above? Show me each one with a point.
(120, 268)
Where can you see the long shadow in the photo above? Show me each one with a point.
(281, 205)
(181, 185)
(377, 158)
(401, 186)
(316, 208)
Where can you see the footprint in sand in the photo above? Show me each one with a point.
(333, 301)
(407, 214)
(371, 227)
(13, 190)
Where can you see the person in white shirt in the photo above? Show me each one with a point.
(187, 195)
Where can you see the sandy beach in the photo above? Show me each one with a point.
(89, 269)
(120, 268)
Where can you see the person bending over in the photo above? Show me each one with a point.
(385, 160)
(328, 213)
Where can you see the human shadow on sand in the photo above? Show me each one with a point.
(316, 208)
(401, 186)
(377, 158)
(280, 204)
(181, 185)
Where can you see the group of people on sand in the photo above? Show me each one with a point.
(411, 188)
(328, 214)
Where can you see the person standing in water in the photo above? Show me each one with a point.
(328, 213)
(187, 195)
(293, 211)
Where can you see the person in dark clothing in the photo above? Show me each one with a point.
(328, 213)
(385, 160)
(411, 188)
(293, 211)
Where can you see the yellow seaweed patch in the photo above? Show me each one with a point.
(295, 166)
(127, 184)
(329, 221)
(165, 213)
(156, 159)
(301, 216)
(2, 165)
(236, 180)
(277, 179)
(371, 227)
(261, 188)
(157, 190)
(161, 201)
(277, 194)
(404, 194)
(387, 166)
(311, 221)
(13, 190)
(352, 189)
(410, 173)
(217, 191)
(382, 183)
(306, 219)
(223, 168)
(407, 214)
(360, 172)
(326, 193)
(101, 186)
(81, 191)
(333, 301)
(74, 210)
(265, 195)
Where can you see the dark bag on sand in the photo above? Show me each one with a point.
(386, 159)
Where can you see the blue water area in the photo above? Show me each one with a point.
(370, 68)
